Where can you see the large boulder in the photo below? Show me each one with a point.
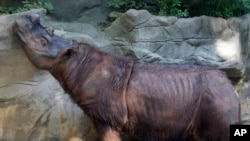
(33, 106)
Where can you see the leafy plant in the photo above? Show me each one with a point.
(217, 8)
(7, 9)
(223, 8)
(162, 7)
(27, 5)
(171, 7)
(128, 4)
(185, 8)
(48, 6)
(245, 5)
(117, 3)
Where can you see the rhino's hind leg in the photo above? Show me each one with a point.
(213, 123)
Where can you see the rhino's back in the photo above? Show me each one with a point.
(162, 100)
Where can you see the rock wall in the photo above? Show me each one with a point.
(34, 107)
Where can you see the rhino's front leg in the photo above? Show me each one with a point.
(108, 134)
(111, 135)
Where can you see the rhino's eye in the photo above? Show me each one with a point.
(43, 42)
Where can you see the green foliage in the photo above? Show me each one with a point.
(7, 9)
(218, 8)
(163, 7)
(171, 8)
(117, 3)
(47, 5)
(128, 4)
(245, 5)
(187, 8)
(27, 6)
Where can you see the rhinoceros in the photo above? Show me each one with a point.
(151, 102)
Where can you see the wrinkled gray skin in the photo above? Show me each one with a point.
(152, 102)
(45, 47)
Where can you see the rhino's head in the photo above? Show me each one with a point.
(43, 48)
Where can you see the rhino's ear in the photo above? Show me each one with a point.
(21, 34)
(71, 50)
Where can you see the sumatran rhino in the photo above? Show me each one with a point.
(151, 102)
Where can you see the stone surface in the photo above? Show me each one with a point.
(243, 89)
